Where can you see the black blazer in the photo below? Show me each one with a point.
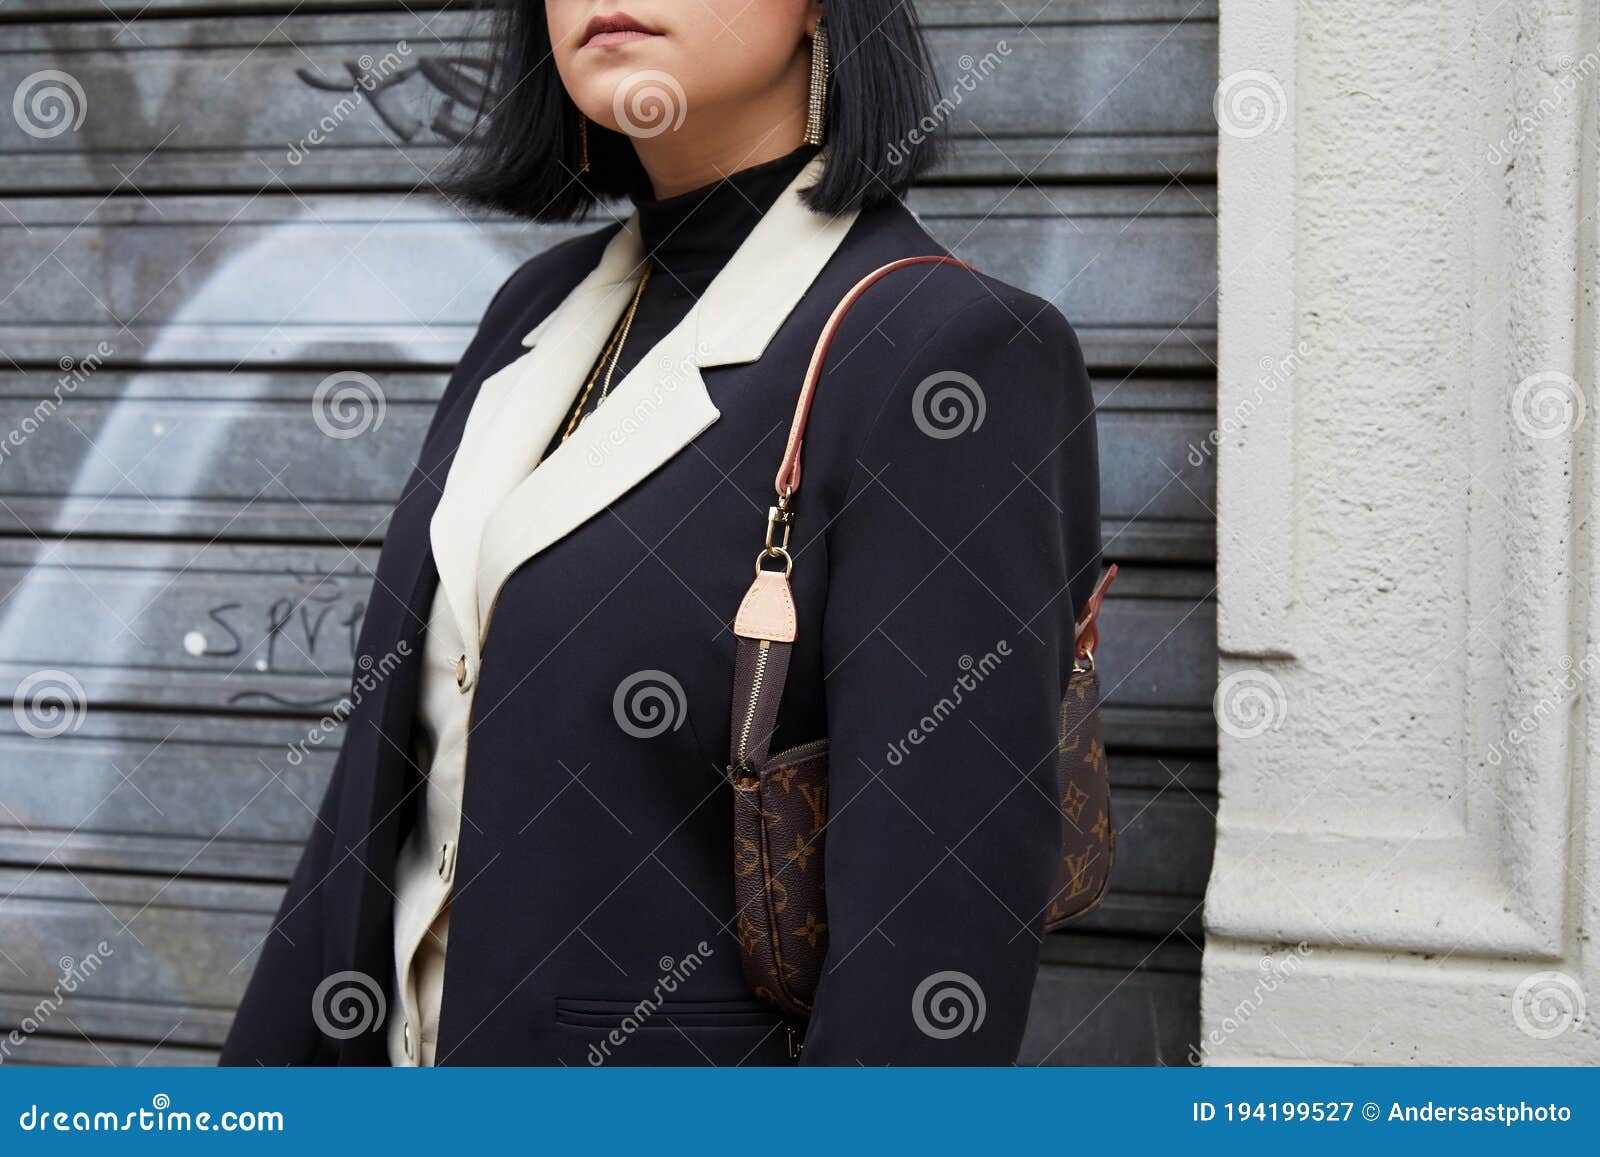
(937, 579)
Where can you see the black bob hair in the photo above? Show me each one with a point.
(522, 155)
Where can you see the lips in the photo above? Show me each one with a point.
(614, 28)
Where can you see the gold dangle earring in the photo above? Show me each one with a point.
(817, 106)
(583, 143)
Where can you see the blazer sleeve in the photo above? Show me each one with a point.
(969, 537)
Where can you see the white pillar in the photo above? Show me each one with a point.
(1408, 844)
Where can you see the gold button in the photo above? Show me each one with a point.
(462, 672)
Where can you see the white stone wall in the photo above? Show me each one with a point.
(1408, 850)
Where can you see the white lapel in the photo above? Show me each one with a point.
(515, 414)
(657, 409)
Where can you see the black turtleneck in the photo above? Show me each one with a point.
(687, 240)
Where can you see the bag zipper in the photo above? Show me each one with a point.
(755, 698)
(796, 750)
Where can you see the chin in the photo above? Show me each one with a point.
(644, 89)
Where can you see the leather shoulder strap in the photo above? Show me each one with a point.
(1087, 635)
(765, 626)
(788, 480)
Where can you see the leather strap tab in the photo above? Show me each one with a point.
(1087, 636)
(767, 611)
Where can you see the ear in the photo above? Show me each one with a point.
(813, 16)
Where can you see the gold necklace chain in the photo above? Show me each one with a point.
(609, 357)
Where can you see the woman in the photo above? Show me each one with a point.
(525, 853)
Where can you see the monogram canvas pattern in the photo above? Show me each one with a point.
(780, 821)
(779, 818)
(1084, 783)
